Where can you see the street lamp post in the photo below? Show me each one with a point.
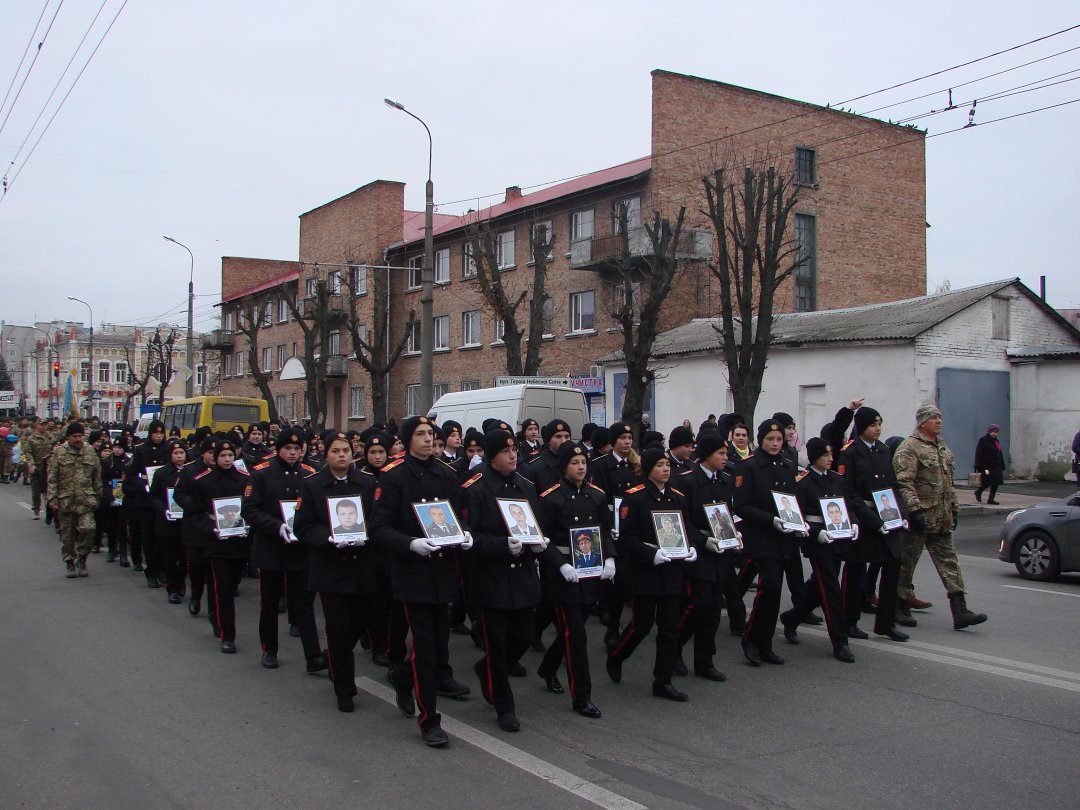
(189, 385)
(90, 376)
(427, 278)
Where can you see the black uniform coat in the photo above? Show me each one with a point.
(430, 580)
(332, 569)
(255, 454)
(502, 581)
(613, 475)
(564, 508)
(189, 533)
(701, 489)
(147, 454)
(542, 470)
(755, 480)
(166, 478)
(810, 486)
(197, 502)
(271, 482)
(865, 470)
(638, 544)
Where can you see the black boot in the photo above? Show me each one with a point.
(962, 617)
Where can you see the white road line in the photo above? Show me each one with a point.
(540, 768)
(23, 505)
(1042, 590)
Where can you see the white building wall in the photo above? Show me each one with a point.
(1045, 417)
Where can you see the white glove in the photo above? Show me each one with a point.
(615, 535)
(422, 546)
(284, 533)
(660, 557)
(543, 544)
(692, 556)
(802, 532)
(568, 572)
(169, 516)
(609, 569)
(515, 546)
(824, 537)
(713, 545)
(468, 541)
(217, 534)
(883, 530)
(904, 524)
(476, 461)
(854, 531)
(115, 502)
(345, 543)
(778, 524)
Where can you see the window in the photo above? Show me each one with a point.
(84, 372)
(470, 385)
(359, 279)
(999, 318)
(549, 316)
(468, 264)
(470, 328)
(805, 166)
(505, 249)
(333, 282)
(438, 389)
(282, 310)
(266, 360)
(412, 399)
(356, 402)
(806, 270)
(581, 224)
(279, 403)
(229, 323)
(310, 286)
(500, 330)
(281, 356)
(413, 346)
(442, 266)
(333, 342)
(361, 332)
(416, 272)
(582, 311)
(226, 370)
(267, 315)
(442, 332)
(200, 375)
(541, 231)
(104, 371)
(239, 363)
(122, 373)
(632, 205)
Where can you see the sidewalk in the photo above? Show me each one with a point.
(1007, 501)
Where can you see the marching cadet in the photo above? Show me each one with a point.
(112, 512)
(825, 549)
(198, 568)
(543, 468)
(340, 570)
(866, 464)
(505, 577)
(255, 451)
(268, 507)
(167, 527)
(529, 446)
(423, 573)
(680, 448)
(652, 571)
(144, 544)
(74, 490)
(574, 513)
(711, 580)
(388, 625)
(452, 442)
(769, 542)
(227, 554)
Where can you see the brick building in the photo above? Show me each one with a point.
(860, 224)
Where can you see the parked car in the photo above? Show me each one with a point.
(1043, 540)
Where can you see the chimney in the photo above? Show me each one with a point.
(513, 193)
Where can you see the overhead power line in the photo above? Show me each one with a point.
(37, 52)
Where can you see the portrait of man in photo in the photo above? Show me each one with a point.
(585, 556)
(347, 514)
(438, 525)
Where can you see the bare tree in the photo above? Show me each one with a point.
(316, 314)
(160, 357)
(754, 256)
(250, 321)
(137, 381)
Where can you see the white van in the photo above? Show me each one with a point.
(513, 404)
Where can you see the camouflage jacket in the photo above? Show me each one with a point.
(75, 479)
(36, 447)
(924, 474)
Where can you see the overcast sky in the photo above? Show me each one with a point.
(220, 123)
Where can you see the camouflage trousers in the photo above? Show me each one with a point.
(942, 551)
(76, 534)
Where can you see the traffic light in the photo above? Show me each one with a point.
(119, 407)
(56, 368)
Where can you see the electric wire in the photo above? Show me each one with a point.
(37, 53)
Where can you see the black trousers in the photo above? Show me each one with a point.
(614, 598)
(852, 589)
(171, 565)
(197, 573)
(115, 529)
(151, 543)
(347, 616)
(733, 597)
(133, 548)
(571, 644)
(664, 611)
(389, 626)
(429, 663)
(761, 626)
(301, 603)
(544, 615)
(792, 570)
(700, 618)
(885, 619)
(823, 590)
(507, 635)
(226, 573)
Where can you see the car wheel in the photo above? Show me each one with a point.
(1036, 557)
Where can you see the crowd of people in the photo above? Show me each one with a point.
(408, 533)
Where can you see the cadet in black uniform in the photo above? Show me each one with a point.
(768, 543)
(680, 448)
(529, 445)
(255, 451)
(506, 581)
(277, 553)
(424, 575)
(169, 529)
(144, 545)
(565, 508)
(543, 468)
(825, 551)
(113, 512)
(198, 570)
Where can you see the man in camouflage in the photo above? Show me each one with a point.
(75, 491)
(924, 473)
(36, 449)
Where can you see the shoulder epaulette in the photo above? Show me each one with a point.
(204, 472)
(847, 444)
(598, 489)
(262, 466)
(242, 472)
(677, 492)
(395, 463)
(472, 480)
(308, 467)
(802, 475)
(632, 490)
(550, 489)
(687, 471)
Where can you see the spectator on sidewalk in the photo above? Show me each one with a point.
(989, 463)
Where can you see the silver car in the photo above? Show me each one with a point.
(1043, 540)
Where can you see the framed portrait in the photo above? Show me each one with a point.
(150, 472)
(288, 513)
(439, 523)
(587, 551)
(117, 487)
(227, 517)
(722, 525)
(887, 508)
(347, 523)
(618, 508)
(173, 507)
(671, 533)
(787, 508)
(520, 520)
(837, 520)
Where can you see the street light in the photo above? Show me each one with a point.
(90, 376)
(189, 385)
(427, 277)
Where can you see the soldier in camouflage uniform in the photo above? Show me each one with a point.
(924, 473)
(36, 449)
(75, 490)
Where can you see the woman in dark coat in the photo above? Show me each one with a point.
(990, 462)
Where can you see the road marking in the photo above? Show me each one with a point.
(23, 505)
(1041, 590)
(522, 760)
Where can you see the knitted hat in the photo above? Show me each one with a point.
(864, 418)
(786, 420)
(449, 426)
(332, 435)
(409, 426)
(587, 431)
(568, 451)
(680, 436)
(618, 429)
(530, 421)
(290, 436)
(816, 448)
(75, 428)
(652, 437)
(650, 458)
(601, 437)
(768, 426)
(496, 441)
(222, 445)
(553, 427)
(925, 412)
(708, 443)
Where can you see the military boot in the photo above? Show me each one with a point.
(71, 569)
(80, 567)
(962, 617)
(904, 617)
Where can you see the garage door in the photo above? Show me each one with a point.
(969, 401)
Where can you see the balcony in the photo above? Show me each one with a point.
(335, 306)
(337, 365)
(603, 251)
(218, 339)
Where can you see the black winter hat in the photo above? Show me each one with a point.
(587, 431)
(568, 451)
(222, 445)
(650, 458)
(864, 418)
(496, 441)
(155, 426)
(768, 426)
(409, 426)
(330, 435)
(786, 420)
(680, 436)
(708, 443)
(449, 426)
(290, 436)
(601, 437)
(618, 429)
(816, 448)
(75, 428)
(553, 427)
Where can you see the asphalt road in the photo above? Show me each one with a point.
(111, 698)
